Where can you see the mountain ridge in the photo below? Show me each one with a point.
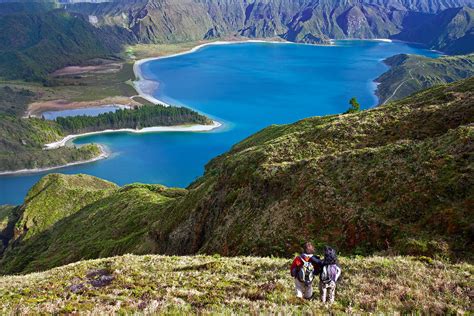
(158, 21)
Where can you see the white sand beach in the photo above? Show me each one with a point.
(154, 129)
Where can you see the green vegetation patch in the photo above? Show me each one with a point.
(241, 285)
(68, 218)
(411, 73)
(34, 44)
(144, 116)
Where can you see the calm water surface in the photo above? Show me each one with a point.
(245, 86)
(92, 111)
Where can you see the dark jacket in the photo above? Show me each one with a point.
(297, 263)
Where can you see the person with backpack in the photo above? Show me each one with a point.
(330, 273)
(303, 269)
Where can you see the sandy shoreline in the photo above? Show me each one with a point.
(103, 155)
(36, 109)
(144, 86)
(154, 129)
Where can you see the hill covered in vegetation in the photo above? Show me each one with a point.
(153, 284)
(35, 43)
(411, 73)
(396, 179)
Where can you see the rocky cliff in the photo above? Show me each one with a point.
(307, 21)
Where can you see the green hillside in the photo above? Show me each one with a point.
(21, 146)
(241, 285)
(33, 44)
(99, 225)
(411, 73)
(396, 179)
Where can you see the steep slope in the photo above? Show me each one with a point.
(308, 21)
(450, 31)
(411, 73)
(55, 197)
(8, 217)
(397, 179)
(91, 219)
(241, 285)
(22, 141)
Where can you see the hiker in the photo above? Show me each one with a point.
(303, 269)
(330, 273)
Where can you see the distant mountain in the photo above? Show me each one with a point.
(411, 73)
(395, 179)
(307, 21)
(450, 31)
(38, 39)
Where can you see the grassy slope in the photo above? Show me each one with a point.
(57, 196)
(8, 218)
(242, 285)
(22, 143)
(412, 73)
(396, 179)
(104, 222)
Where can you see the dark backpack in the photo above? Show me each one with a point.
(306, 272)
(330, 273)
(330, 256)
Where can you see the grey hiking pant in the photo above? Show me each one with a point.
(327, 291)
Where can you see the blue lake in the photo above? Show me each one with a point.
(92, 111)
(245, 86)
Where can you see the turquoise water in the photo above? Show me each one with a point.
(245, 86)
(92, 111)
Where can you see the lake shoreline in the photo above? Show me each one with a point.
(103, 155)
(142, 84)
(153, 129)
